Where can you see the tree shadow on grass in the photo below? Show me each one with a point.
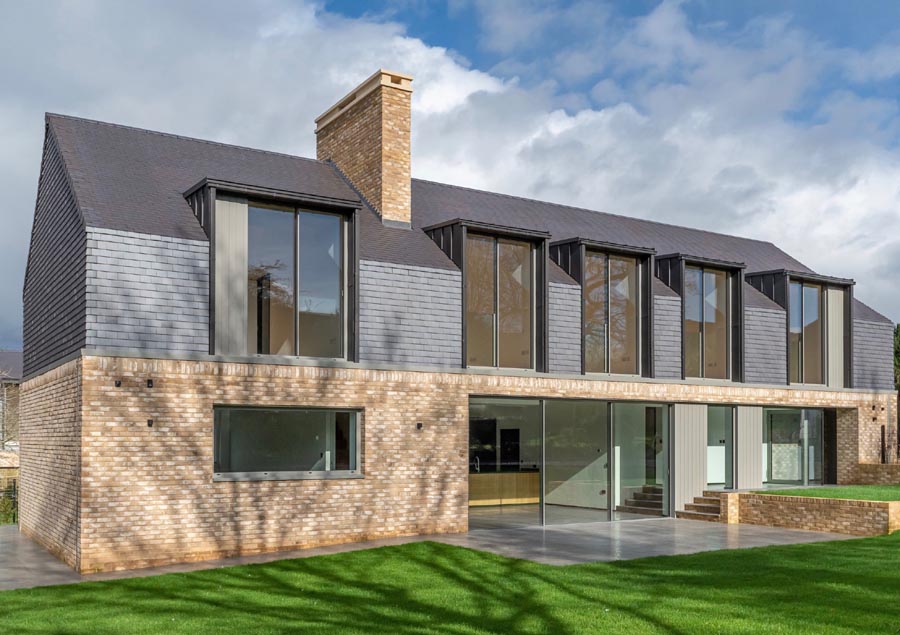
(848, 586)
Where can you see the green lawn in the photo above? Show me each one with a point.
(839, 587)
(855, 492)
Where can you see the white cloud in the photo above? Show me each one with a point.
(690, 128)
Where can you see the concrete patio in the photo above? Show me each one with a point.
(24, 564)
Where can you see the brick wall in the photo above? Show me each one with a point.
(410, 315)
(9, 412)
(857, 518)
(50, 460)
(370, 143)
(565, 328)
(148, 496)
(877, 474)
(147, 292)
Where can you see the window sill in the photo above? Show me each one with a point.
(287, 476)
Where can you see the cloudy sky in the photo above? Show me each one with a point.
(766, 119)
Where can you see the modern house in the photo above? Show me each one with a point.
(233, 351)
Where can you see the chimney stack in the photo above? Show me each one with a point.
(367, 135)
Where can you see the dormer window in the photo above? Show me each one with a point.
(615, 309)
(504, 292)
(819, 317)
(712, 314)
(283, 272)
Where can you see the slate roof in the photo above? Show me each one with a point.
(134, 180)
(10, 366)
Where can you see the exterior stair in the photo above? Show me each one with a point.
(707, 507)
(648, 501)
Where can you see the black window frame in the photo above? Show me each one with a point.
(670, 268)
(451, 236)
(570, 255)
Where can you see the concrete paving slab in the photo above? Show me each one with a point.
(25, 564)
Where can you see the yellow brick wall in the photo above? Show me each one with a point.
(370, 143)
(857, 518)
(49, 460)
(148, 496)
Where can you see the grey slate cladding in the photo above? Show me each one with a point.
(147, 292)
(565, 328)
(765, 345)
(667, 336)
(409, 315)
(54, 292)
(873, 362)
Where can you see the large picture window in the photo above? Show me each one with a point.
(806, 359)
(295, 282)
(611, 314)
(285, 443)
(499, 302)
(706, 323)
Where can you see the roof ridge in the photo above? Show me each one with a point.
(171, 135)
(594, 211)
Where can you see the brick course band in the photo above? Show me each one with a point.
(146, 495)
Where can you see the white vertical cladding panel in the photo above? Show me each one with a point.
(836, 334)
(689, 453)
(231, 276)
(749, 447)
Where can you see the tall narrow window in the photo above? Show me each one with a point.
(806, 346)
(270, 280)
(499, 302)
(320, 305)
(611, 314)
(706, 323)
(295, 282)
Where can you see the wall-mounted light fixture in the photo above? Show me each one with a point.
(118, 383)
(419, 425)
(149, 383)
(149, 423)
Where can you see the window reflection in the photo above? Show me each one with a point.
(270, 281)
(706, 323)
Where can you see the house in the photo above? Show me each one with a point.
(10, 378)
(233, 351)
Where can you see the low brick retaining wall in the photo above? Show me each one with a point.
(854, 517)
(877, 474)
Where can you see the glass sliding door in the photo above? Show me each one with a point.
(720, 447)
(576, 461)
(793, 446)
(640, 460)
(505, 457)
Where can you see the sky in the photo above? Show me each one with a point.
(772, 120)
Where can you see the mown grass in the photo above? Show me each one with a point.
(838, 587)
(854, 492)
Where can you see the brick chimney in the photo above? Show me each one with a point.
(366, 134)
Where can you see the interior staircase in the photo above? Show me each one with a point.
(647, 501)
(706, 507)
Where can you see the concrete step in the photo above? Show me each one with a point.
(688, 515)
(646, 511)
(642, 503)
(644, 496)
(707, 500)
(700, 507)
